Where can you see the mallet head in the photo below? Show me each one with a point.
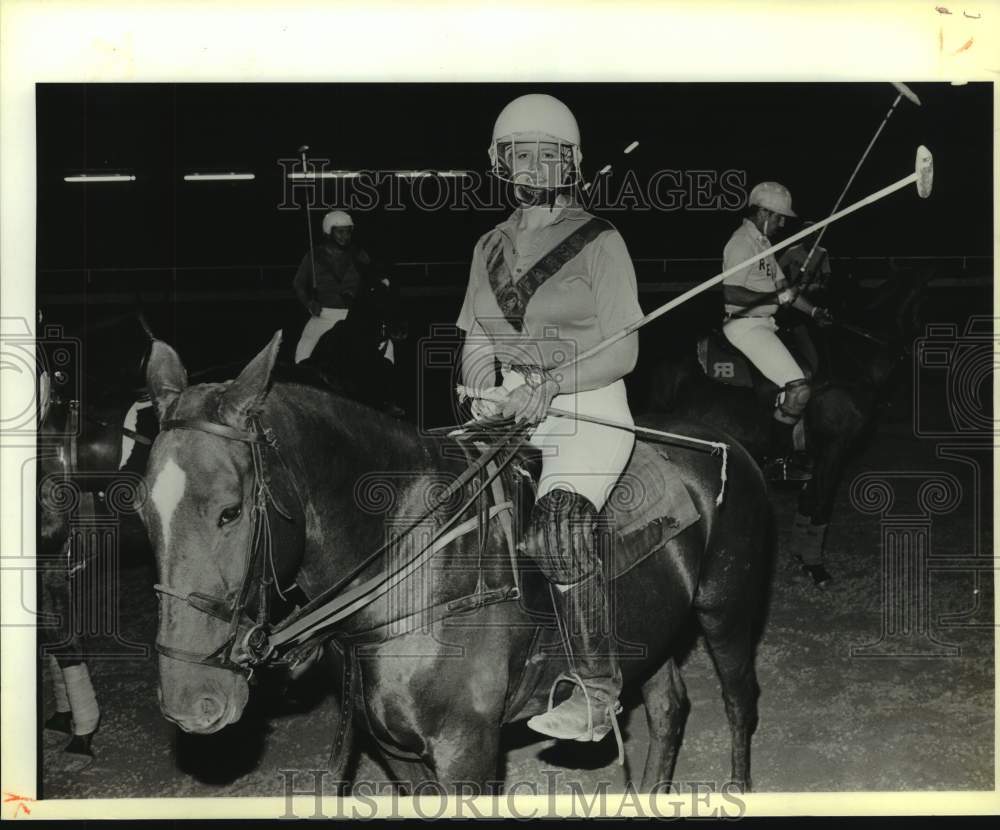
(925, 172)
(906, 92)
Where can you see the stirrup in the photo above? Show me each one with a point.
(592, 734)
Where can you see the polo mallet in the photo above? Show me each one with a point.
(860, 332)
(903, 92)
(312, 256)
(922, 176)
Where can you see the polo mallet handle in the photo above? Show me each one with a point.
(923, 176)
(860, 332)
(312, 256)
(850, 181)
(903, 91)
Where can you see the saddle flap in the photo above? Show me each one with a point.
(648, 507)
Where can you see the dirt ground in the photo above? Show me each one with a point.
(829, 721)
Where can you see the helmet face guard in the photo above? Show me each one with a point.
(559, 157)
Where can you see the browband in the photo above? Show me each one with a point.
(218, 429)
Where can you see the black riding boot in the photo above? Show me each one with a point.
(781, 438)
(565, 549)
(588, 713)
(785, 462)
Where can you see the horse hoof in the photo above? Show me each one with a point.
(818, 573)
(61, 722)
(80, 745)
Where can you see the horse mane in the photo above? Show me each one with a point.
(394, 438)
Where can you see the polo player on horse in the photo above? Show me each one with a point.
(752, 297)
(549, 281)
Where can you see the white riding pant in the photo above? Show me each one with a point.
(315, 328)
(756, 338)
(585, 458)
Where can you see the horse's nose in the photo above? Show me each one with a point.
(208, 710)
(206, 715)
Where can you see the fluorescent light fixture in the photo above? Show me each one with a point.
(401, 174)
(631, 147)
(326, 174)
(218, 177)
(98, 178)
(445, 174)
(603, 170)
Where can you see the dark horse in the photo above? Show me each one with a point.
(356, 355)
(853, 374)
(432, 689)
(87, 458)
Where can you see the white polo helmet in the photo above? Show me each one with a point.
(337, 219)
(536, 118)
(773, 196)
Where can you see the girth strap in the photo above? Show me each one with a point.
(506, 525)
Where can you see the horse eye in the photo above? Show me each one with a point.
(230, 514)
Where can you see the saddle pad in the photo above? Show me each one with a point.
(648, 507)
(723, 362)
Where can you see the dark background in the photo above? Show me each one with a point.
(211, 263)
(808, 136)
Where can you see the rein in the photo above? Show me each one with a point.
(253, 642)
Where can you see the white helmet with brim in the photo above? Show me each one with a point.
(774, 197)
(337, 219)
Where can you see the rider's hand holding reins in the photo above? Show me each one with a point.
(484, 409)
(530, 401)
(822, 316)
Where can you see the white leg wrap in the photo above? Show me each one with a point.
(58, 684)
(86, 712)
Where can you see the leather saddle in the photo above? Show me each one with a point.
(648, 507)
(723, 363)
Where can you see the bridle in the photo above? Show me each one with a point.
(253, 642)
(246, 644)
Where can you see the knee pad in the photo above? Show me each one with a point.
(792, 401)
(561, 536)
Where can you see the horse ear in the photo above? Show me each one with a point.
(166, 377)
(44, 396)
(247, 392)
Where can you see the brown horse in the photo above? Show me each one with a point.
(262, 482)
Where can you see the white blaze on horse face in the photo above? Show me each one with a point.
(166, 494)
